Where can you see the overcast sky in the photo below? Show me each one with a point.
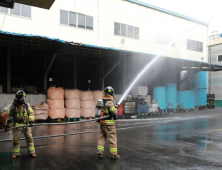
(198, 9)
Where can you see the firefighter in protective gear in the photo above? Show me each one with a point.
(107, 125)
(20, 113)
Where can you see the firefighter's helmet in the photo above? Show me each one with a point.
(109, 90)
(20, 94)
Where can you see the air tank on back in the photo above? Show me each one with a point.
(185, 100)
(159, 93)
(171, 96)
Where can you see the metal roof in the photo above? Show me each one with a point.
(178, 59)
(167, 11)
(31, 35)
(45, 44)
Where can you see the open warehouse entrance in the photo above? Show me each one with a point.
(34, 63)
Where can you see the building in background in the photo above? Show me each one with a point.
(215, 57)
(89, 44)
(133, 26)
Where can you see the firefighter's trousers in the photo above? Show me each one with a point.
(16, 139)
(107, 131)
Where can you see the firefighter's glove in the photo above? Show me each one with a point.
(115, 117)
(7, 128)
(10, 120)
(30, 124)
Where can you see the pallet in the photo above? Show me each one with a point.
(59, 120)
(210, 100)
(142, 114)
(142, 117)
(88, 118)
(201, 108)
(211, 107)
(154, 112)
(41, 121)
(72, 119)
(211, 96)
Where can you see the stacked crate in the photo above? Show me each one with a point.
(140, 91)
(88, 106)
(55, 100)
(211, 101)
(72, 103)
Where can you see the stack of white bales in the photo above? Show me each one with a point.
(41, 111)
(72, 103)
(88, 106)
(55, 100)
(97, 95)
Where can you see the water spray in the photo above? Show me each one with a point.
(145, 68)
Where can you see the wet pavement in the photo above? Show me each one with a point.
(190, 140)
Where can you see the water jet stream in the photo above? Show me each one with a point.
(145, 68)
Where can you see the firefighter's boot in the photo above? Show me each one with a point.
(115, 156)
(100, 155)
(33, 155)
(14, 156)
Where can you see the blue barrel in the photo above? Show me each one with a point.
(200, 97)
(200, 80)
(185, 99)
(171, 95)
(142, 108)
(159, 93)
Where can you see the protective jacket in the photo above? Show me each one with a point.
(20, 114)
(109, 109)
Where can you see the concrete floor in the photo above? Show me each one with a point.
(190, 140)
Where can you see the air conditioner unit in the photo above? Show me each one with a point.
(7, 3)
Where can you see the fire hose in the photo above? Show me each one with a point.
(67, 123)
(80, 133)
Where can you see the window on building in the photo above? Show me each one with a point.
(76, 20)
(72, 19)
(26, 11)
(21, 10)
(219, 58)
(15, 10)
(64, 15)
(194, 45)
(130, 31)
(123, 29)
(81, 21)
(117, 28)
(136, 32)
(68, 18)
(126, 30)
(3, 10)
(89, 22)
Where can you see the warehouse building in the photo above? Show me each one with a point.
(74, 45)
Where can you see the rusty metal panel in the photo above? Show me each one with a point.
(46, 4)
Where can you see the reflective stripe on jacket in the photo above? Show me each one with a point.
(22, 116)
(109, 109)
